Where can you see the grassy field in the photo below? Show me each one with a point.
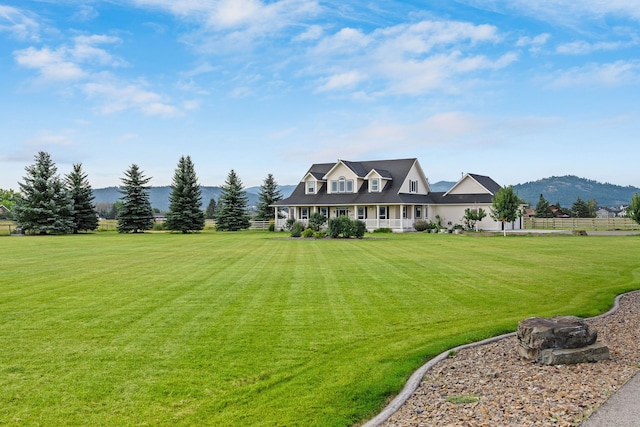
(253, 328)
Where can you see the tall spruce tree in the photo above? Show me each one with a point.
(232, 205)
(44, 205)
(268, 195)
(210, 212)
(185, 199)
(85, 217)
(543, 209)
(135, 214)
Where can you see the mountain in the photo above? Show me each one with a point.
(441, 186)
(159, 196)
(566, 190)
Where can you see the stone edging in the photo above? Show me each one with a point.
(416, 378)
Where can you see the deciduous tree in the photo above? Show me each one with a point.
(633, 210)
(135, 214)
(44, 205)
(232, 205)
(268, 195)
(85, 217)
(505, 206)
(185, 200)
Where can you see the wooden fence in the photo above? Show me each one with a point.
(604, 224)
(7, 227)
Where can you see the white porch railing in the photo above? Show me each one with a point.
(398, 225)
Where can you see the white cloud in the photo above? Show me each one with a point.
(407, 59)
(52, 65)
(346, 80)
(313, 32)
(584, 48)
(535, 44)
(18, 24)
(609, 74)
(114, 96)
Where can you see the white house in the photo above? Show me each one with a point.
(387, 194)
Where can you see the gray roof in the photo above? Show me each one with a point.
(394, 170)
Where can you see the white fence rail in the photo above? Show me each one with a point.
(580, 224)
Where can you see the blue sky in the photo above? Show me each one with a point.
(515, 89)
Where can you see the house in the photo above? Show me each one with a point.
(387, 194)
(3, 210)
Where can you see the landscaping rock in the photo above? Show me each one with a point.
(571, 356)
(563, 332)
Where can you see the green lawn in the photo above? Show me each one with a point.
(252, 328)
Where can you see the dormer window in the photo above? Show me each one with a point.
(342, 185)
(374, 185)
(311, 187)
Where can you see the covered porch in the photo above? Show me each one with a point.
(399, 218)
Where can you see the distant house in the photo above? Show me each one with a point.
(605, 213)
(3, 210)
(387, 194)
(558, 213)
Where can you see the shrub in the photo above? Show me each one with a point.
(320, 234)
(272, 225)
(307, 233)
(316, 221)
(421, 225)
(158, 226)
(383, 230)
(296, 229)
(345, 228)
(288, 225)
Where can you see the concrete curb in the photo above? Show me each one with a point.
(416, 378)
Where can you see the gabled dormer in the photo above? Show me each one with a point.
(313, 181)
(377, 179)
(343, 177)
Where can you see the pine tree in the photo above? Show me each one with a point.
(185, 199)
(268, 195)
(543, 209)
(85, 217)
(210, 213)
(232, 205)
(44, 205)
(135, 214)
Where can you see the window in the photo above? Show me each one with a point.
(324, 211)
(375, 185)
(413, 186)
(342, 185)
(404, 212)
(418, 212)
(362, 212)
(311, 187)
(342, 212)
(304, 213)
(382, 212)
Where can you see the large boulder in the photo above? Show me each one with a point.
(563, 332)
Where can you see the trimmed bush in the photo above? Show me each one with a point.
(296, 229)
(383, 230)
(345, 228)
(307, 233)
(421, 225)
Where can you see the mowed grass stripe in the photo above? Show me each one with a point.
(256, 329)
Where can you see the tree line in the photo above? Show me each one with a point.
(50, 204)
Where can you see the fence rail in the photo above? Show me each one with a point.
(580, 224)
(7, 227)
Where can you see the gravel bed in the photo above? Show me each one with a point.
(490, 385)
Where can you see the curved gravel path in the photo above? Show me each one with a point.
(487, 384)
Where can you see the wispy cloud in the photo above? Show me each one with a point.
(17, 23)
(616, 73)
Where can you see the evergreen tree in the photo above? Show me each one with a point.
(633, 210)
(505, 206)
(210, 213)
(543, 209)
(84, 214)
(44, 205)
(135, 214)
(582, 209)
(232, 205)
(268, 195)
(185, 199)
